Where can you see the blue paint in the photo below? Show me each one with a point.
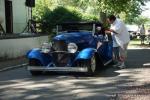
(105, 51)
(75, 37)
(45, 59)
(87, 44)
(86, 53)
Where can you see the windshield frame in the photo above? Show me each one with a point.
(78, 24)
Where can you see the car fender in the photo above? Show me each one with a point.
(45, 59)
(86, 53)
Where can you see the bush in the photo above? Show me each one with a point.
(61, 14)
(89, 18)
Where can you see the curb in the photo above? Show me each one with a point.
(12, 67)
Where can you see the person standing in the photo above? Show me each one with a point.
(148, 37)
(121, 36)
(142, 33)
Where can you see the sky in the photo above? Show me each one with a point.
(146, 13)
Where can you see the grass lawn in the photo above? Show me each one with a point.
(137, 42)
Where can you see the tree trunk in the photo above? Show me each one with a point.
(103, 17)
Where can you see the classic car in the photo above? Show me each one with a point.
(77, 47)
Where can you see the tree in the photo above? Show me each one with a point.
(141, 20)
(129, 9)
(42, 6)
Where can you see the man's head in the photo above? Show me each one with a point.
(111, 19)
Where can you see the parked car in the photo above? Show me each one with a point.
(75, 48)
(133, 34)
(133, 31)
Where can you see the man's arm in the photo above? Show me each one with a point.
(111, 30)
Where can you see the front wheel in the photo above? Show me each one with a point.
(34, 62)
(35, 73)
(92, 66)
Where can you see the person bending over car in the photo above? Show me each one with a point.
(121, 36)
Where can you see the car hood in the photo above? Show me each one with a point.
(76, 37)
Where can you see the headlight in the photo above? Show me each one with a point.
(72, 47)
(46, 47)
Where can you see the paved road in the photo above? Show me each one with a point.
(5, 64)
(132, 83)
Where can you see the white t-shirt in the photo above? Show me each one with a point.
(123, 36)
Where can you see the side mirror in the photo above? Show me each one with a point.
(99, 28)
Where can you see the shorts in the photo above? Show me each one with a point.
(123, 52)
(115, 53)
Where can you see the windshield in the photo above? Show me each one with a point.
(80, 26)
(75, 28)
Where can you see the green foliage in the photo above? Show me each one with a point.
(134, 19)
(141, 20)
(130, 8)
(60, 15)
(56, 11)
(42, 7)
(89, 18)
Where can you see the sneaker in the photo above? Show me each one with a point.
(117, 64)
(122, 65)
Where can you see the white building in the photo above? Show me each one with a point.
(14, 15)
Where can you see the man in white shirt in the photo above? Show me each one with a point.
(121, 36)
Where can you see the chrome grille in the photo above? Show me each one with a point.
(60, 45)
(60, 55)
(61, 59)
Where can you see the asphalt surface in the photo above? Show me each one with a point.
(132, 83)
(12, 63)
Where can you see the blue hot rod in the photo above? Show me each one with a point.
(77, 47)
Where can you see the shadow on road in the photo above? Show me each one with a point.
(138, 57)
(109, 84)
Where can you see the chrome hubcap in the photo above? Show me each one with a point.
(93, 64)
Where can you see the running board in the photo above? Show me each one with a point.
(108, 62)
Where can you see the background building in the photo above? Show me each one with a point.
(14, 15)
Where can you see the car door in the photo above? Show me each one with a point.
(105, 50)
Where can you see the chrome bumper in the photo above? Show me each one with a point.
(59, 69)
